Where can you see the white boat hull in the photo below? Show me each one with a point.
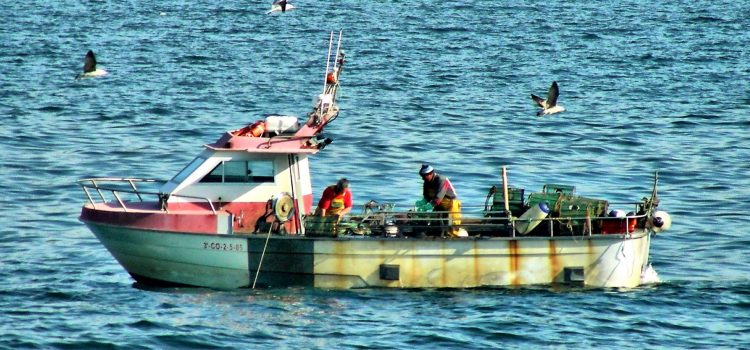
(231, 261)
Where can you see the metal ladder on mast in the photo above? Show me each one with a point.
(333, 67)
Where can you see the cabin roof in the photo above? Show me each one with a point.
(303, 139)
(273, 144)
(299, 142)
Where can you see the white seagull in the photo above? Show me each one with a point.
(281, 6)
(549, 106)
(89, 67)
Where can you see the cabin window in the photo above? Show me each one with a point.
(261, 170)
(256, 171)
(235, 172)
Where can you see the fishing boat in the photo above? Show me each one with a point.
(241, 215)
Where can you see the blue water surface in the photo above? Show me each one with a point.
(648, 86)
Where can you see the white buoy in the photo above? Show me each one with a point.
(531, 218)
(661, 221)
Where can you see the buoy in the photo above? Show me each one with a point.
(531, 218)
(661, 221)
(258, 128)
(631, 221)
(331, 78)
(255, 129)
(619, 226)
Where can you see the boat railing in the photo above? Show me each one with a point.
(476, 219)
(95, 185)
(588, 223)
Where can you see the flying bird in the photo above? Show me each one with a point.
(281, 5)
(549, 106)
(89, 67)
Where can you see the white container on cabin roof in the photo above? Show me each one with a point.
(281, 123)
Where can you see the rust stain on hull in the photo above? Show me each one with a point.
(443, 272)
(348, 263)
(514, 260)
(553, 263)
(477, 279)
(590, 252)
(414, 271)
(338, 250)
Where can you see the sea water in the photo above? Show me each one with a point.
(647, 87)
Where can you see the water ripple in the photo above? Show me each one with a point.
(662, 89)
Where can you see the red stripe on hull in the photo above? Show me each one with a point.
(189, 217)
(155, 220)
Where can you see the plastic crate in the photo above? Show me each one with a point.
(321, 226)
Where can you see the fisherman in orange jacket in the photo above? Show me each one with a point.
(336, 200)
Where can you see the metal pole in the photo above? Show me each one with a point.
(98, 190)
(653, 194)
(338, 48)
(91, 200)
(328, 63)
(551, 228)
(135, 190)
(120, 200)
(506, 201)
(299, 197)
(505, 192)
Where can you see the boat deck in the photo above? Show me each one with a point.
(118, 203)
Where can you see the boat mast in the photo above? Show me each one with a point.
(328, 62)
(337, 62)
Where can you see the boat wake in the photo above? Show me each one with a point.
(649, 275)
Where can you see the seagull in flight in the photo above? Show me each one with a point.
(549, 106)
(89, 67)
(281, 5)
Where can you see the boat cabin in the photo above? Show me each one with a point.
(240, 173)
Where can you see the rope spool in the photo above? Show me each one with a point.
(283, 206)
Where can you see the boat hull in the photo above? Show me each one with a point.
(231, 261)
